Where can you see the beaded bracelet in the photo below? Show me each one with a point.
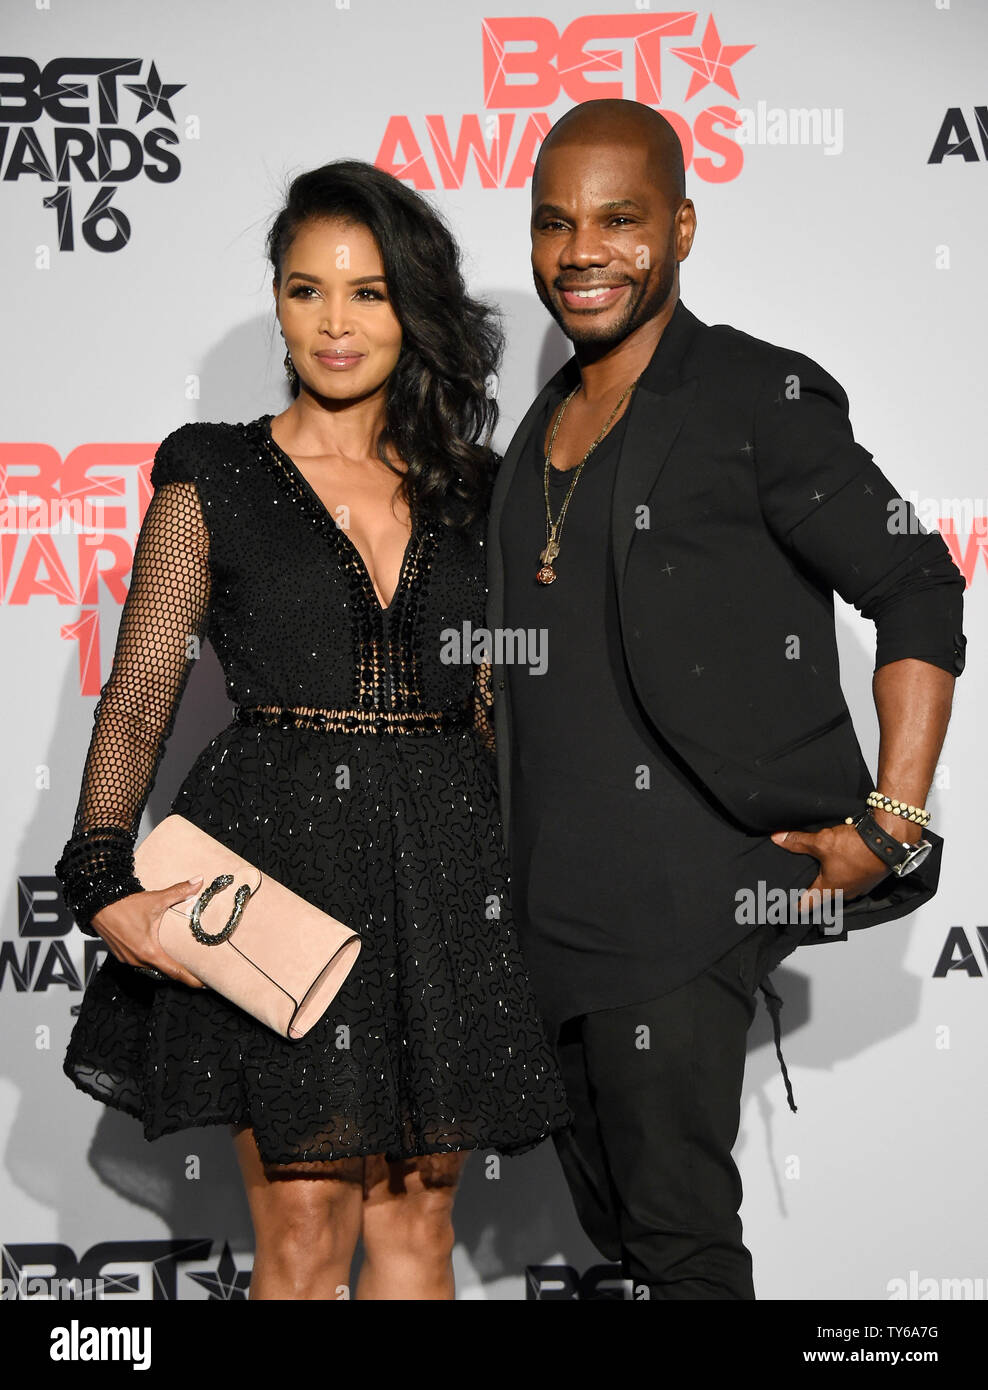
(96, 868)
(878, 801)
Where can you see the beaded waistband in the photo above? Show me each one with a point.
(353, 721)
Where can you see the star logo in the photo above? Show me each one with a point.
(227, 1283)
(154, 95)
(712, 61)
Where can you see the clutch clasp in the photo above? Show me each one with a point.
(240, 898)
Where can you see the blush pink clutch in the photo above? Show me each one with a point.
(247, 936)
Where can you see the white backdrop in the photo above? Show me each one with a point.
(830, 232)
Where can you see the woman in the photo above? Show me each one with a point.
(324, 551)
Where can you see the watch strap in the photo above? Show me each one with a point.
(891, 851)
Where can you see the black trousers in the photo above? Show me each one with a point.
(656, 1092)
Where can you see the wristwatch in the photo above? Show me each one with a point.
(900, 857)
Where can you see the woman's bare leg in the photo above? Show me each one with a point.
(408, 1227)
(306, 1223)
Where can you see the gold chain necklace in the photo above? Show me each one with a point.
(546, 573)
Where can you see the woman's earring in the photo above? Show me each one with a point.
(290, 371)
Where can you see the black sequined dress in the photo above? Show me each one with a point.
(373, 797)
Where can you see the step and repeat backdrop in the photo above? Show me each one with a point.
(837, 154)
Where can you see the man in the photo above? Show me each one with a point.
(675, 513)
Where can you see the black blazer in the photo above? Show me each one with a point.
(741, 503)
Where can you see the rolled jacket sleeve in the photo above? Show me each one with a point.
(826, 501)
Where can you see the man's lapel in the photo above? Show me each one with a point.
(659, 405)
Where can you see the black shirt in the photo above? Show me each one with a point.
(625, 871)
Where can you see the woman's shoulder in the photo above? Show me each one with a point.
(185, 453)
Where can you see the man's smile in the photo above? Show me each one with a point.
(591, 296)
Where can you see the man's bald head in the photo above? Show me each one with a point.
(615, 120)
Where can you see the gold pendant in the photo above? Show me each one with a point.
(546, 574)
(550, 552)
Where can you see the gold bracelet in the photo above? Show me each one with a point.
(878, 801)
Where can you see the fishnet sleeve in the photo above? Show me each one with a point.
(483, 706)
(162, 623)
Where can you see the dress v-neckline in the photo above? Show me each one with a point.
(303, 480)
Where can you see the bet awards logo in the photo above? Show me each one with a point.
(955, 138)
(119, 1269)
(959, 957)
(529, 65)
(68, 124)
(67, 528)
(42, 960)
(550, 1283)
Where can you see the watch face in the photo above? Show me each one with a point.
(919, 852)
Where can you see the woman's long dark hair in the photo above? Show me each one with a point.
(440, 418)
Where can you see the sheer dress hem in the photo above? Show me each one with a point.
(76, 1074)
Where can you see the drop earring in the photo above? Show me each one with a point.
(290, 371)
